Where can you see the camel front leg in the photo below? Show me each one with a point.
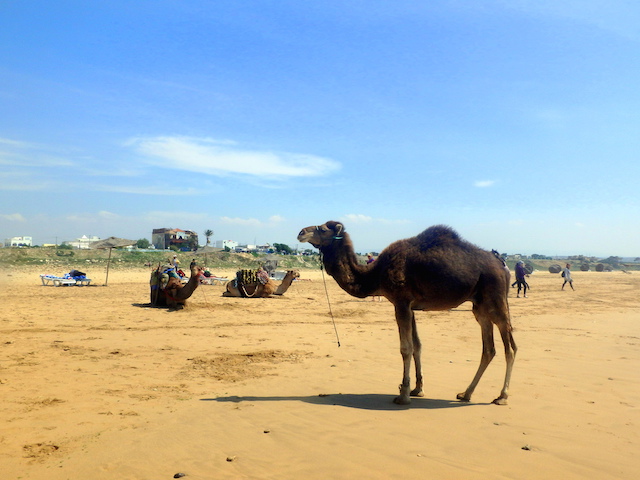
(403, 318)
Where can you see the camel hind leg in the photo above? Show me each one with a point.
(417, 353)
(404, 318)
(487, 317)
(510, 350)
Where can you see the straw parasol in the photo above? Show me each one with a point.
(205, 251)
(111, 243)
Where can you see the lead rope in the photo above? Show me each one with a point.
(206, 302)
(326, 291)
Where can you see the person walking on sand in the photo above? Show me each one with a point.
(566, 274)
(520, 279)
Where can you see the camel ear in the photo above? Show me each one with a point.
(339, 229)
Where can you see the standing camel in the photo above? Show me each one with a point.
(436, 270)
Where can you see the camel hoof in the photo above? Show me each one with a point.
(463, 397)
(417, 393)
(500, 401)
(400, 400)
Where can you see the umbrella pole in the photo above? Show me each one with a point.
(106, 280)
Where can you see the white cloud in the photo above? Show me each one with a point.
(360, 219)
(616, 16)
(357, 222)
(161, 190)
(357, 218)
(108, 215)
(484, 183)
(221, 158)
(13, 217)
(172, 219)
(253, 222)
(272, 221)
(13, 143)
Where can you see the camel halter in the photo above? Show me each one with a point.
(326, 291)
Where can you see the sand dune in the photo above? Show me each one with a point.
(95, 385)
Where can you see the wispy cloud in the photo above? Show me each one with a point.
(13, 217)
(108, 215)
(357, 218)
(13, 143)
(222, 158)
(147, 190)
(360, 219)
(484, 183)
(618, 17)
(252, 222)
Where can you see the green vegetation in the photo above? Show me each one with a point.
(52, 258)
(143, 243)
(283, 248)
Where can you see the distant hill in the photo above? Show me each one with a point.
(51, 258)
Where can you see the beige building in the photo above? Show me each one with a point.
(164, 238)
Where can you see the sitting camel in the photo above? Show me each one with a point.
(258, 289)
(168, 290)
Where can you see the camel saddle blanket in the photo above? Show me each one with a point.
(247, 277)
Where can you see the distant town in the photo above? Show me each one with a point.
(161, 239)
(187, 240)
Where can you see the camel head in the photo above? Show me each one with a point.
(294, 273)
(322, 235)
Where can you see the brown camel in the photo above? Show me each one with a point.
(169, 291)
(436, 270)
(258, 290)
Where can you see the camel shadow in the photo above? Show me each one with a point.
(365, 401)
(159, 307)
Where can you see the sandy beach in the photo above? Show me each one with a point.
(95, 385)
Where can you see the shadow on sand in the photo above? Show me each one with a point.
(371, 401)
(159, 307)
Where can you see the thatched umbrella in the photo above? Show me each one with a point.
(111, 243)
(205, 251)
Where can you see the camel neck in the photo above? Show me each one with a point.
(341, 262)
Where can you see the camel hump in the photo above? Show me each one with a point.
(438, 235)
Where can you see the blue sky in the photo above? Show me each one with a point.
(515, 122)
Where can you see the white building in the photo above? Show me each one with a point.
(226, 243)
(84, 242)
(18, 242)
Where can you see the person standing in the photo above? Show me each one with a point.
(520, 279)
(566, 274)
